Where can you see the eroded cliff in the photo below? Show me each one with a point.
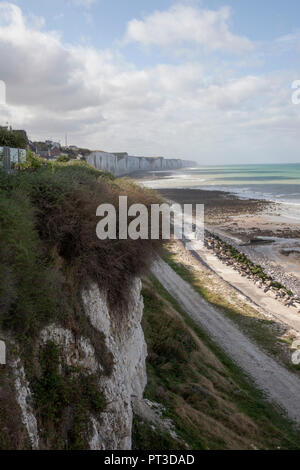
(126, 164)
(120, 378)
(70, 312)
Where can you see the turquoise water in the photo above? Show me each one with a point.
(280, 183)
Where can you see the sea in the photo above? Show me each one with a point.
(279, 183)
(273, 182)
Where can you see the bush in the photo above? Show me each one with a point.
(16, 139)
(48, 232)
(65, 397)
(48, 251)
(27, 284)
(63, 159)
(33, 162)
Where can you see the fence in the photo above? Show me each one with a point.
(2, 353)
(9, 157)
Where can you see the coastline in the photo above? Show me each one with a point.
(254, 227)
(258, 230)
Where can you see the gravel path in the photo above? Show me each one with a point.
(280, 386)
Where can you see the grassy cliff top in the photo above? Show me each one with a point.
(48, 237)
(49, 251)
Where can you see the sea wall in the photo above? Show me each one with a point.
(125, 164)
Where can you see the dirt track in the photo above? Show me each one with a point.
(280, 386)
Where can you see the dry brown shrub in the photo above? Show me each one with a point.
(70, 229)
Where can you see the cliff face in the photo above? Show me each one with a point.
(110, 429)
(125, 340)
(70, 311)
(121, 165)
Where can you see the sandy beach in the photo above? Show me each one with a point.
(257, 228)
(262, 232)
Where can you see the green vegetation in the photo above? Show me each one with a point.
(49, 251)
(63, 159)
(209, 399)
(34, 162)
(13, 434)
(48, 241)
(15, 139)
(64, 400)
(147, 438)
(27, 284)
(263, 331)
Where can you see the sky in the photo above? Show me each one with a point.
(205, 80)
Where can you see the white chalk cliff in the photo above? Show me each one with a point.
(125, 164)
(124, 340)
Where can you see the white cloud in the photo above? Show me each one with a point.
(103, 101)
(236, 93)
(41, 71)
(184, 24)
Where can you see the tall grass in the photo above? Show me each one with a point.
(211, 402)
(49, 251)
(48, 229)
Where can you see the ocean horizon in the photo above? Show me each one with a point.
(274, 182)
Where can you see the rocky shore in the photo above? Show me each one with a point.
(255, 228)
(255, 273)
